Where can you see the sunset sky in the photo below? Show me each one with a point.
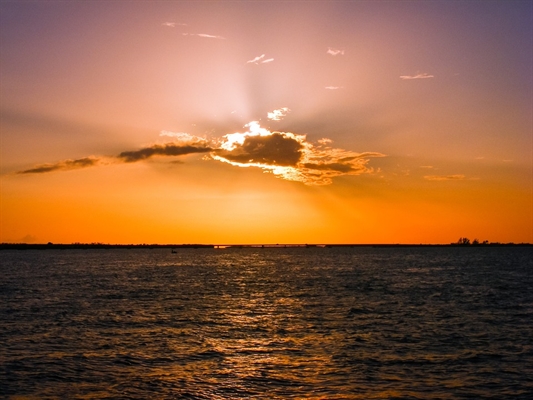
(266, 122)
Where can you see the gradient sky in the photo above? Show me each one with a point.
(266, 122)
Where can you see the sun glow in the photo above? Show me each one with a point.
(233, 140)
(290, 156)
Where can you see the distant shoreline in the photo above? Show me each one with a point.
(88, 246)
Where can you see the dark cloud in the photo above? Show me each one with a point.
(275, 149)
(169, 149)
(291, 156)
(63, 165)
(338, 167)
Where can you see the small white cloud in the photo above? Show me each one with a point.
(417, 76)
(256, 59)
(334, 87)
(172, 24)
(259, 60)
(427, 166)
(335, 52)
(279, 114)
(205, 35)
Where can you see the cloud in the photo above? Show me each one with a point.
(335, 52)
(259, 60)
(167, 149)
(286, 155)
(204, 35)
(173, 24)
(276, 149)
(183, 137)
(279, 114)
(334, 87)
(290, 156)
(64, 165)
(457, 177)
(256, 59)
(182, 147)
(417, 76)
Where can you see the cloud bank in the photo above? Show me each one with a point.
(286, 155)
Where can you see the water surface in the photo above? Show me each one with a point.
(315, 323)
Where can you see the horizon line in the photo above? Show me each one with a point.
(250, 245)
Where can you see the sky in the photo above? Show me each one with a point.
(249, 122)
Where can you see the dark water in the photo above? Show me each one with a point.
(354, 323)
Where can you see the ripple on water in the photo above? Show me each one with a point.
(357, 323)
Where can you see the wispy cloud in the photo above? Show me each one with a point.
(256, 59)
(335, 52)
(167, 149)
(457, 177)
(286, 155)
(417, 76)
(178, 148)
(183, 137)
(259, 60)
(333, 87)
(64, 165)
(279, 114)
(172, 24)
(204, 35)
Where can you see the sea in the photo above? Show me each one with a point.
(267, 323)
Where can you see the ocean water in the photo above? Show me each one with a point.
(301, 323)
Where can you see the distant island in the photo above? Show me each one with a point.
(462, 242)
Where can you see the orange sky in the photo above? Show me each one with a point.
(266, 122)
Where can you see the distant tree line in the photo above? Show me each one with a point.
(464, 241)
